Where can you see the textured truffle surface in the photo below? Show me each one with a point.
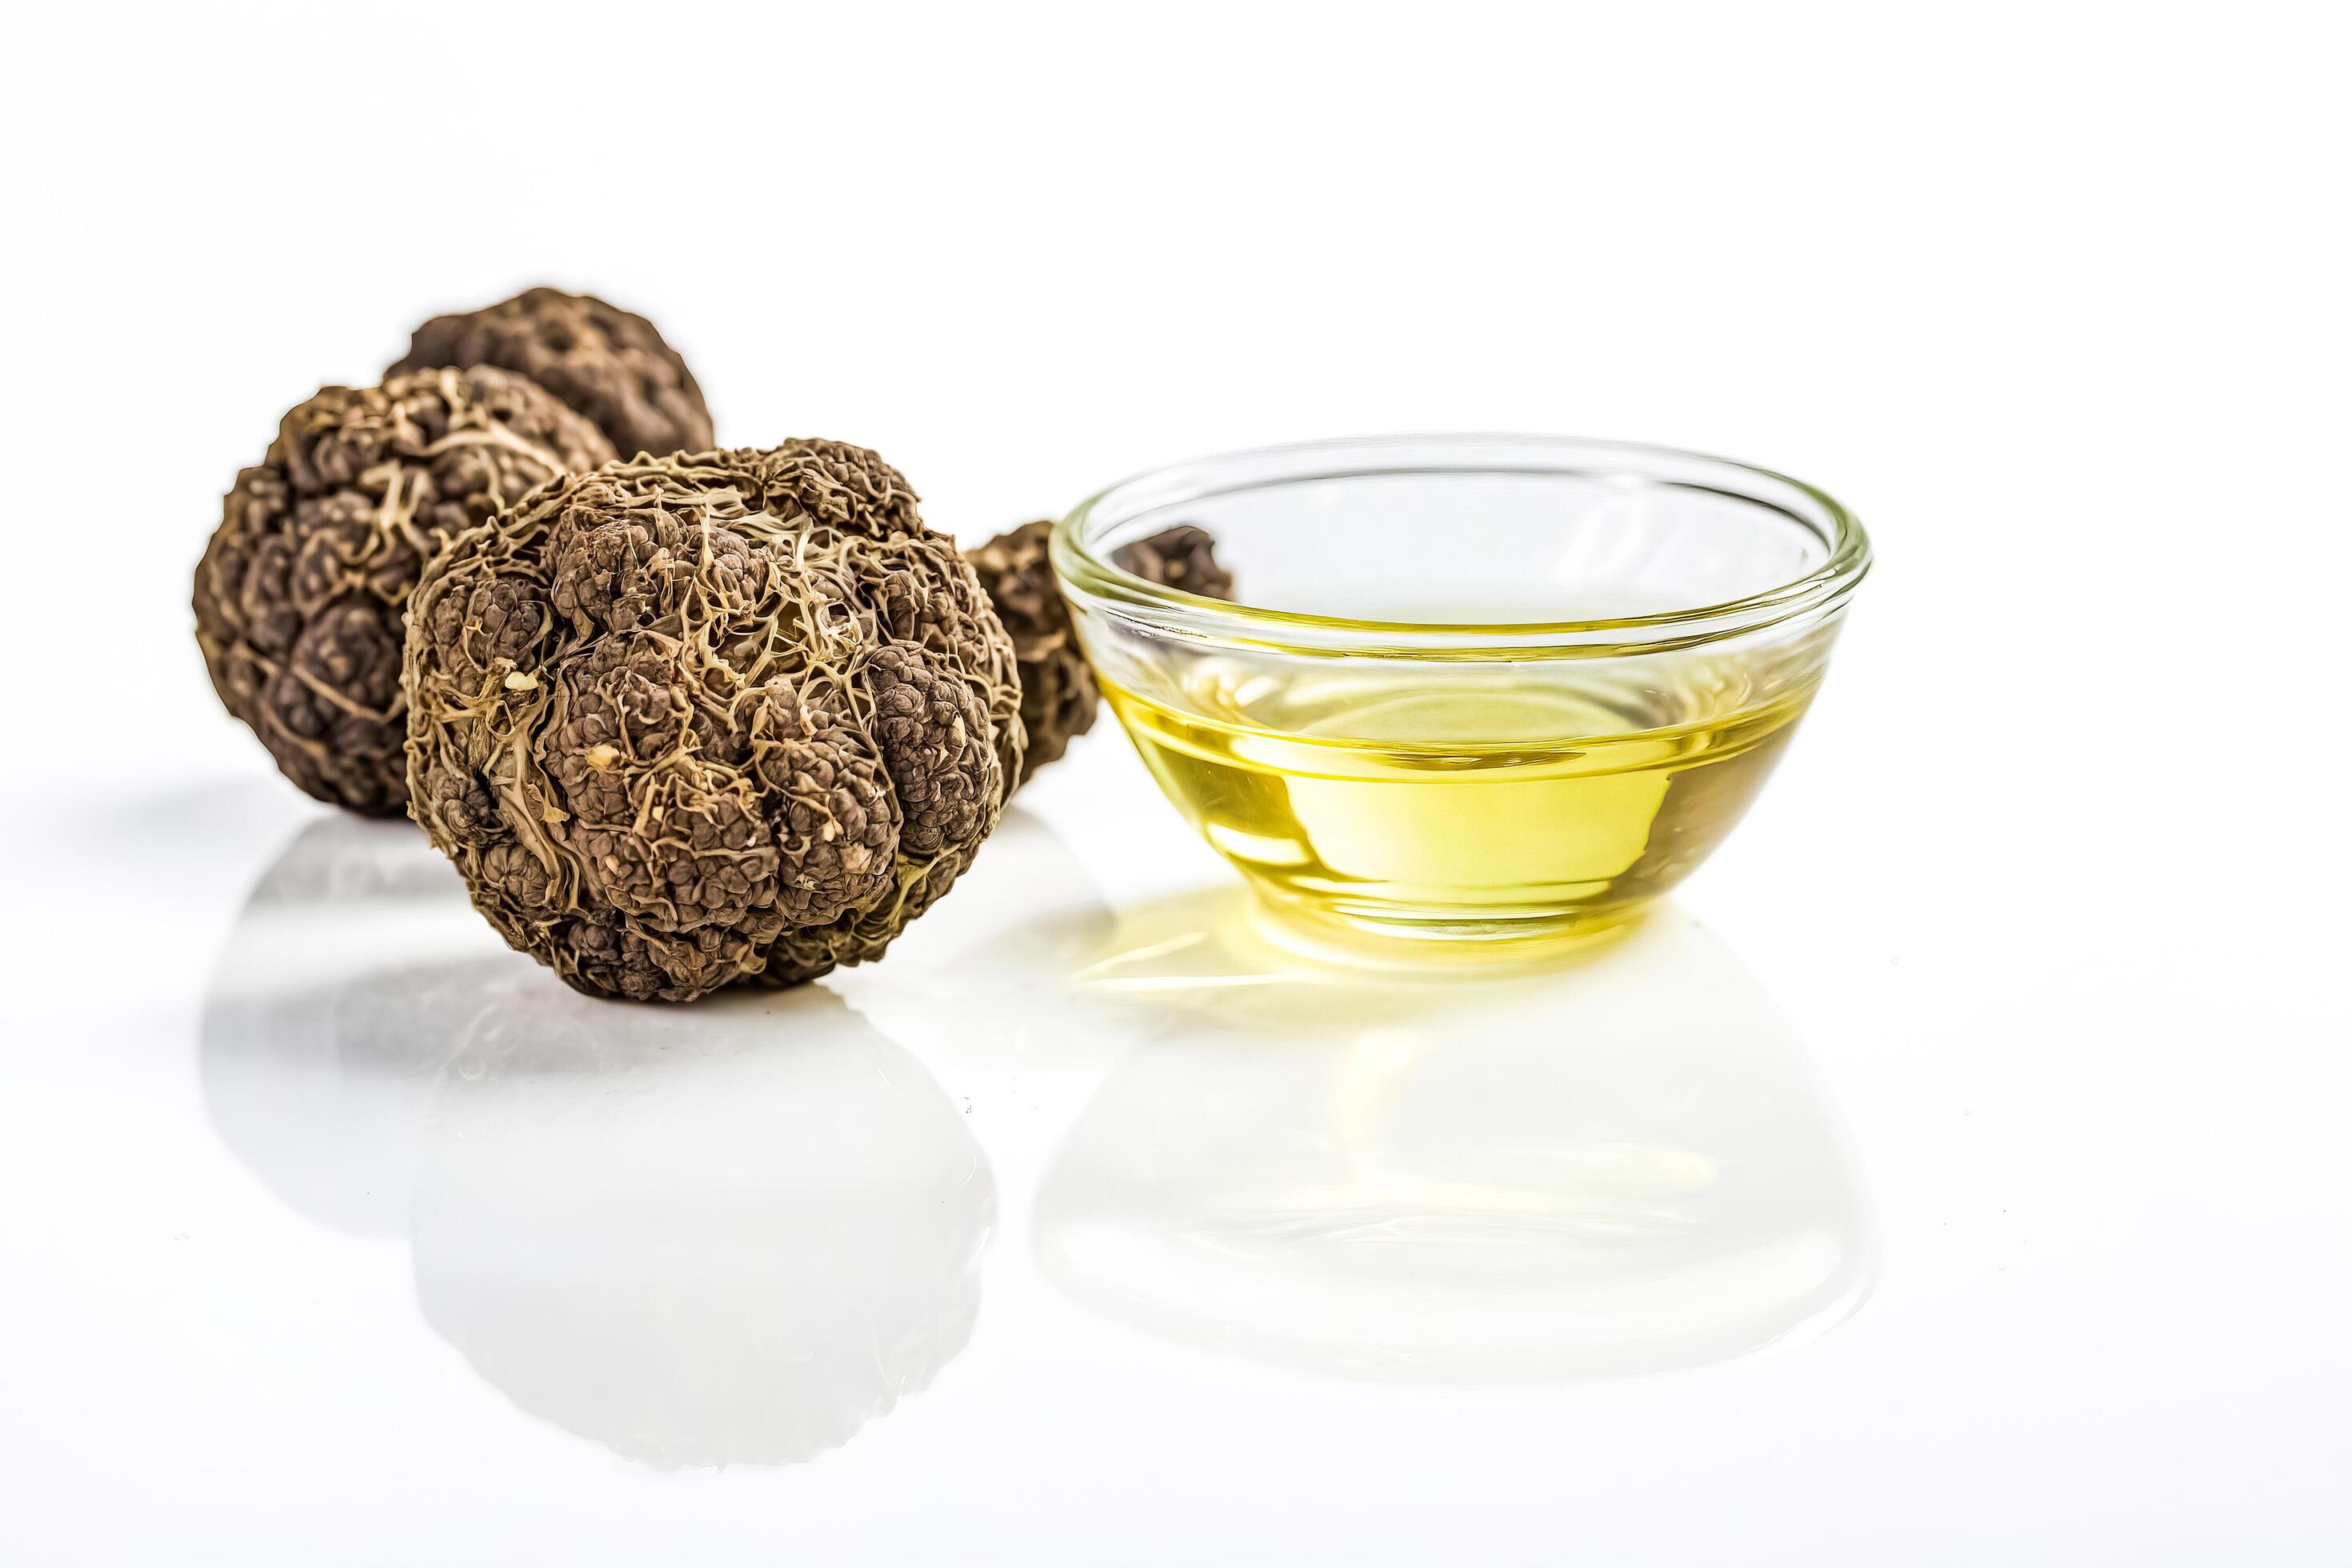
(299, 594)
(1059, 698)
(606, 362)
(688, 722)
(1184, 556)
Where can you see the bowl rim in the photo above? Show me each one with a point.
(1096, 581)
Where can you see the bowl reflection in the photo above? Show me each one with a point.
(729, 1234)
(1621, 1166)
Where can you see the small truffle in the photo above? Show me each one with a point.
(1058, 694)
(299, 594)
(688, 722)
(606, 362)
(1182, 557)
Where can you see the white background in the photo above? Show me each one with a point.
(2051, 889)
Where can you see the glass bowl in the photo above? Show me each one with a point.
(1474, 688)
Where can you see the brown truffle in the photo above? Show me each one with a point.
(606, 362)
(1184, 557)
(300, 594)
(1058, 694)
(688, 722)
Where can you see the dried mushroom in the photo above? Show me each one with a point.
(1058, 694)
(1182, 557)
(608, 364)
(299, 594)
(688, 722)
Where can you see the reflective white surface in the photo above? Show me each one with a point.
(661, 1230)
(1618, 1165)
(1958, 1174)
(1093, 1224)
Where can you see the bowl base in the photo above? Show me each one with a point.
(1389, 936)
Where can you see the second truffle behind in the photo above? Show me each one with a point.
(1059, 698)
(300, 595)
(608, 364)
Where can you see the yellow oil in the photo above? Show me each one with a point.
(1463, 806)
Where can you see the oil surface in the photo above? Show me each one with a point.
(1461, 808)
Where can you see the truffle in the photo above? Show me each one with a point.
(299, 594)
(1182, 557)
(686, 722)
(1058, 694)
(606, 362)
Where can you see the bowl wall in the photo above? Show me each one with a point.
(1481, 689)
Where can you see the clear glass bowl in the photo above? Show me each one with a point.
(1475, 688)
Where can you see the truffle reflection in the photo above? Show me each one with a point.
(733, 1233)
(350, 977)
(1622, 1166)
